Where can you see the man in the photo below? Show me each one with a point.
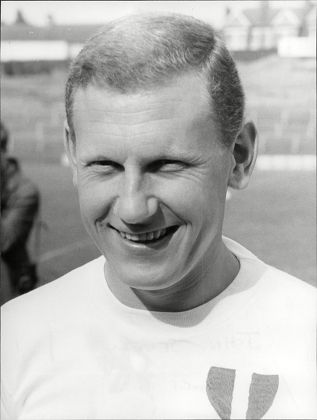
(19, 208)
(173, 321)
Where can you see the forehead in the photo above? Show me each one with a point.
(174, 118)
(184, 97)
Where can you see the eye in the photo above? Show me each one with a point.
(167, 165)
(105, 166)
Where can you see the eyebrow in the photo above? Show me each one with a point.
(179, 155)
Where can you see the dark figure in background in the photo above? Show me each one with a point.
(19, 208)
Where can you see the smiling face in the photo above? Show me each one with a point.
(152, 179)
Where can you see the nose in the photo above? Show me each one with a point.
(134, 204)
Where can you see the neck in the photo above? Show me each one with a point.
(214, 274)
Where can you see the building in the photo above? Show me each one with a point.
(26, 48)
(263, 27)
(22, 42)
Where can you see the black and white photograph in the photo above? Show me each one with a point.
(158, 210)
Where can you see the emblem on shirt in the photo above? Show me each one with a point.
(223, 393)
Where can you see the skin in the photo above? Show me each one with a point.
(148, 161)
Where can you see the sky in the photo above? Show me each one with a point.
(64, 12)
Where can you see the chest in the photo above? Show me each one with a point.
(88, 375)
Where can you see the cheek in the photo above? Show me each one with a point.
(197, 199)
(95, 199)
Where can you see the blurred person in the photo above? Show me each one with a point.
(19, 208)
(173, 320)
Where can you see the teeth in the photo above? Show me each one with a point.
(143, 236)
(132, 237)
(161, 232)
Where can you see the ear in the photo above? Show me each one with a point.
(245, 150)
(70, 148)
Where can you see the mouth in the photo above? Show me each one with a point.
(147, 238)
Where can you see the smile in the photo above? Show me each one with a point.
(147, 237)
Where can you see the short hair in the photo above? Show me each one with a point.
(144, 51)
(4, 137)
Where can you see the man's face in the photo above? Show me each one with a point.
(152, 180)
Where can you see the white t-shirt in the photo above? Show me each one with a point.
(71, 350)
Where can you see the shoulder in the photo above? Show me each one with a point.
(53, 300)
(291, 287)
(30, 322)
(273, 292)
(18, 185)
(26, 188)
(271, 279)
(286, 300)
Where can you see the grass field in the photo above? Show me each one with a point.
(275, 217)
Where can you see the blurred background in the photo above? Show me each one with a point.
(274, 44)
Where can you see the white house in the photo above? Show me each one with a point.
(263, 27)
(22, 42)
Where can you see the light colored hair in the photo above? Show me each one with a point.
(145, 51)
